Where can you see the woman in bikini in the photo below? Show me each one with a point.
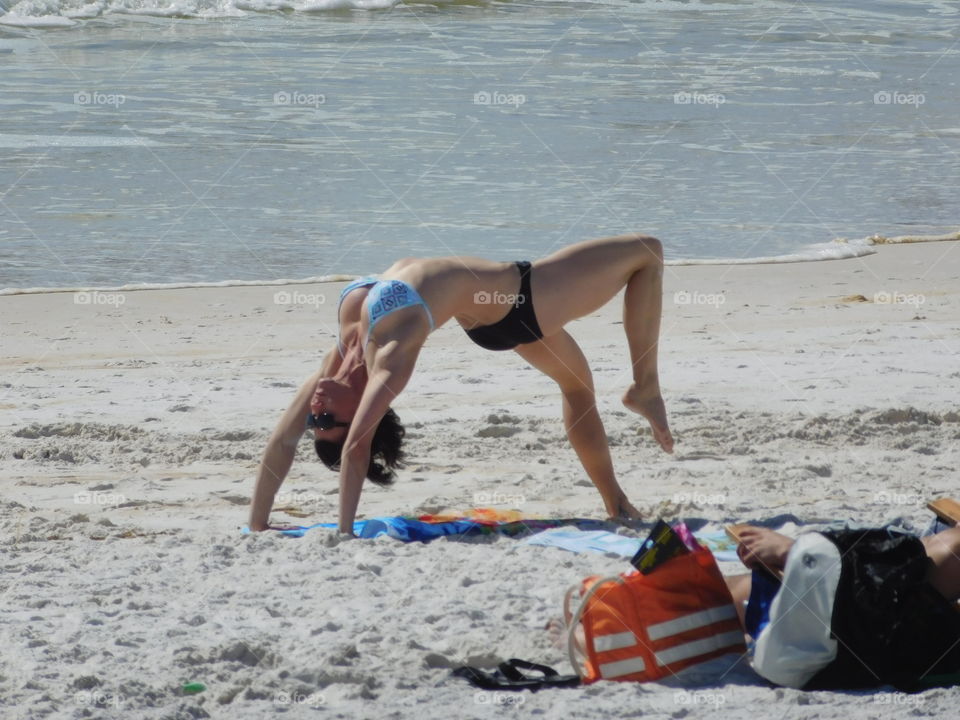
(517, 306)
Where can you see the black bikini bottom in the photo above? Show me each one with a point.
(518, 326)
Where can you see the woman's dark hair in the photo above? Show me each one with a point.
(385, 452)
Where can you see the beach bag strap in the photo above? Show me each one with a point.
(577, 653)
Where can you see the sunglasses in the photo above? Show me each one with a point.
(324, 421)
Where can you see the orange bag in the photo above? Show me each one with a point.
(644, 627)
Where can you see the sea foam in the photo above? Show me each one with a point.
(66, 13)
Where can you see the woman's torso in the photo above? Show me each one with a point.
(465, 288)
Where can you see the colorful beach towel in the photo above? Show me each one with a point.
(573, 534)
(478, 521)
(602, 541)
(578, 541)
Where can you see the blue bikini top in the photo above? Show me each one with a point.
(385, 297)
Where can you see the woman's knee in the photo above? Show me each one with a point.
(943, 545)
(943, 549)
(648, 248)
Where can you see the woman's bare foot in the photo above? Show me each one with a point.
(622, 509)
(763, 548)
(650, 405)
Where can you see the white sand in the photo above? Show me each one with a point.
(132, 433)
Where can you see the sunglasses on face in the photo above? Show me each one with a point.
(324, 421)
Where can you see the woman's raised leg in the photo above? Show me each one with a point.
(582, 278)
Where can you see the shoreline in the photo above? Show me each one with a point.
(839, 249)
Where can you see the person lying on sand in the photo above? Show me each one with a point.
(517, 306)
(856, 608)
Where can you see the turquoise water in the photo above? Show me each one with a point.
(279, 143)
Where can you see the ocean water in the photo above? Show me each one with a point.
(187, 141)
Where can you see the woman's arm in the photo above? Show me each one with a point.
(282, 447)
(392, 368)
